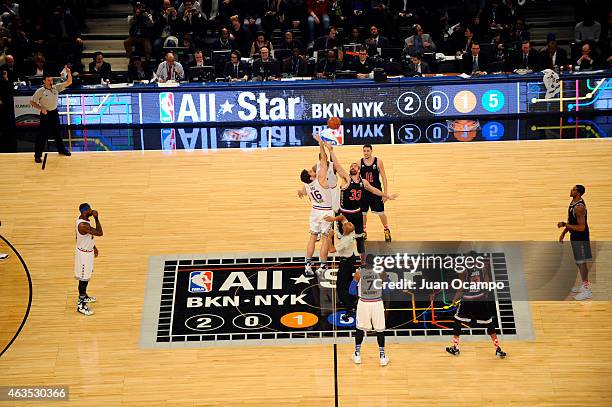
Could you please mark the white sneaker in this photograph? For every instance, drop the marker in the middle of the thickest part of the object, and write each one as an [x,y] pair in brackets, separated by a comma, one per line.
[356,358]
[87,300]
[583,295]
[3,256]
[384,361]
[577,289]
[321,270]
[308,270]
[85,310]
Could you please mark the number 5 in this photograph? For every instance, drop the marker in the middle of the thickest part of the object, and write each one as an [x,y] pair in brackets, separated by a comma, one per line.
[493,100]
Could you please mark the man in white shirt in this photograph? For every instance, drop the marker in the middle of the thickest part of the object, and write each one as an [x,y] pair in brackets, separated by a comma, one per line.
[170,70]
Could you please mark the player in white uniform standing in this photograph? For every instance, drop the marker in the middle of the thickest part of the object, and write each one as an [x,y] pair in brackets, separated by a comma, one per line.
[85,252]
[370,308]
[317,189]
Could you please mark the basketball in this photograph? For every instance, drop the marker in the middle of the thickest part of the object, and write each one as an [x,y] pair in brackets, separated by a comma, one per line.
[334,122]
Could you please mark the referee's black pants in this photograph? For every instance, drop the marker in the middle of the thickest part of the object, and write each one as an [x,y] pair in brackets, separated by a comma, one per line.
[49,127]
[345,276]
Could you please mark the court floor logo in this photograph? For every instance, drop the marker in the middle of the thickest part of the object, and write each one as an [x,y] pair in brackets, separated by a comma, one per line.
[270,300]
[200,281]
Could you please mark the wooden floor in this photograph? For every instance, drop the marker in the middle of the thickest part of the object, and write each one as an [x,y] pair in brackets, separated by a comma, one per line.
[158,203]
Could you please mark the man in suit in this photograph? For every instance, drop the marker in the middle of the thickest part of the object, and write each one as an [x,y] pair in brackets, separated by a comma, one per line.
[419,42]
[329,41]
[224,42]
[526,58]
[265,67]
[100,67]
[473,63]
[553,56]
[587,60]
[376,41]
[295,65]
[235,69]
[416,66]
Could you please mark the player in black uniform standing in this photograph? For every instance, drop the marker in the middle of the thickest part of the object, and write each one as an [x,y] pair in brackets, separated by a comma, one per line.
[372,170]
[351,197]
[474,309]
[578,228]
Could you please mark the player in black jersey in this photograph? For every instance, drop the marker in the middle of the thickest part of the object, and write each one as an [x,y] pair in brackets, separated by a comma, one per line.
[351,195]
[372,169]
[578,228]
[474,309]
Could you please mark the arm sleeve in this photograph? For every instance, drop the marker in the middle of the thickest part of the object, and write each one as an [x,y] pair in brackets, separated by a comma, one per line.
[353,288]
[60,87]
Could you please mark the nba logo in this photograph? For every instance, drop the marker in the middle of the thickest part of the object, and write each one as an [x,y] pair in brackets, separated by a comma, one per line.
[166,107]
[200,281]
[333,136]
[168,139]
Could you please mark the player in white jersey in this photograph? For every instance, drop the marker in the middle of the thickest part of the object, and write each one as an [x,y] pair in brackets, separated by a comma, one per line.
[368,285]
[85,252]
[317,189]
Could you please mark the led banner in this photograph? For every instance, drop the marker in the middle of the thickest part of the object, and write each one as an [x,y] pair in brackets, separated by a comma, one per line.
[272,103]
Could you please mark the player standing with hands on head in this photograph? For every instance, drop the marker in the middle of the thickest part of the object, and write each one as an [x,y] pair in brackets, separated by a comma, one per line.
[317,189]
[372,170]
[85,252]
[45,101]
[578,228]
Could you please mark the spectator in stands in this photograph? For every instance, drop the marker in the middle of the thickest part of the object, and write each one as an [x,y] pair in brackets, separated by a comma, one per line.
[417,66]
[224,42]
[227,9]
[317,18]
[289,42]
[608,54]
[376,41]
[553,56]
[7,113]
[167,24]
[500,52]
[295,65]
[252,10]
[235,69]
[363,64]
[10,69]
[295,13]
[336,12]
[273,15]
[519,33]
[265,67]
[39,67]
[192,20]
[327,67]
[329,41]
[355,36]
[260,42]
[138,70]
[586,61]
[169,69]
[496,15]
[63,31]
[588,29]
[140,23]
[211,12]
[400,14]
[198,59]
[100,67]
[473,63]
[420,42]
[526,58]
[240,35]
[466,45]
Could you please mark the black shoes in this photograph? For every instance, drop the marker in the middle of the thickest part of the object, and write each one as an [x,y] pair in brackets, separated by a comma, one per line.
[65,152]
[37,160]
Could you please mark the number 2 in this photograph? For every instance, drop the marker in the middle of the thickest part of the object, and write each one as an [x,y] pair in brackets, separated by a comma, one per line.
[409,102]
[204,322]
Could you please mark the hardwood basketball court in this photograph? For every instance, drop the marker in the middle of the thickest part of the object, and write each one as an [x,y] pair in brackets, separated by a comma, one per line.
[155,203]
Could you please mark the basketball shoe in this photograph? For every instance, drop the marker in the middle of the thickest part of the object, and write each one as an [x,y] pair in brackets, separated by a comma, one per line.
[500,353]
[84,309]
[384,360]
[356,358]
[387,235]
[453,351]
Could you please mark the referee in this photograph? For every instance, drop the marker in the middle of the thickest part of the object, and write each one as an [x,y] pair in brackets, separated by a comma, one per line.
[45,100]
